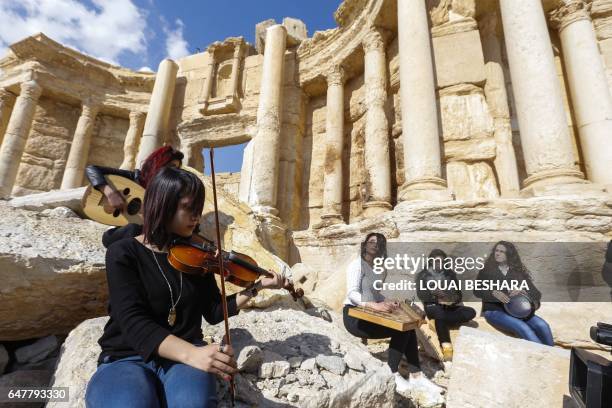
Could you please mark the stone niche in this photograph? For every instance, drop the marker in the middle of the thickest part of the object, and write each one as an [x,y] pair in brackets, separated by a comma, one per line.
[223,86]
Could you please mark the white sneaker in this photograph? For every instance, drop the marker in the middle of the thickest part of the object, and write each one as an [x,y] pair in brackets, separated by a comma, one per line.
[420,390]
[402,385]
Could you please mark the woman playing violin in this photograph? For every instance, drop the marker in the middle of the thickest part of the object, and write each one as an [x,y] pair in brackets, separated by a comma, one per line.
[153,353]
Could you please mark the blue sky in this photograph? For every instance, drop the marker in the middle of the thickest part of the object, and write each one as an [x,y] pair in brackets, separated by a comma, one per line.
[139,33]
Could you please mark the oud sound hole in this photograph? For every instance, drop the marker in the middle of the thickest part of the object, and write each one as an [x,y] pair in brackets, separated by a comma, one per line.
[126,191]
[134,206]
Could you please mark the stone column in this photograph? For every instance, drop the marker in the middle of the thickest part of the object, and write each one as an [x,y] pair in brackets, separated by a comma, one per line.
[132,140]
[16,135]
[7,100]
[420,132]
[210,77]
[156,123]
[588,85]
[497,99]
[334,141]
[234,85]
[547,147]
[79,149]
[264,175]
[376,149]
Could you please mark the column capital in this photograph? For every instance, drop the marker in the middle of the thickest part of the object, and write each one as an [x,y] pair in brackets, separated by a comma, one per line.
[136,116]
[374,40]
[30,89]
[336,76]
[568,12]
[90,108]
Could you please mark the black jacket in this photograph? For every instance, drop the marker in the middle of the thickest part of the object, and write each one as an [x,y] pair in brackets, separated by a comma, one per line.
[489,302]
[95,175]
[427,297]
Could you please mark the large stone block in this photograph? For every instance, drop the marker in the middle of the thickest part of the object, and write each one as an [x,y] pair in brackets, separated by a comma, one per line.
[471,181]
[494,371]
[470,150]
[458,59]
[465,113]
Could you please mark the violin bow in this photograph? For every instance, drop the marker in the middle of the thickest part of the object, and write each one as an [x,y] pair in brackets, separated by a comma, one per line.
[221,269]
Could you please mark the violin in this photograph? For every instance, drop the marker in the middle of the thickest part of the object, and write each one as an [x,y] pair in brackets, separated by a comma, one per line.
[197,255]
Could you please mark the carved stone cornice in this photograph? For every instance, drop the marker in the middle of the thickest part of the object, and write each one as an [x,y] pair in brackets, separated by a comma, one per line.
[569,12]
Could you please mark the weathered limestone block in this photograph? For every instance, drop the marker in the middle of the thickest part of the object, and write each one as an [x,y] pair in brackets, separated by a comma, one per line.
[465,114]
[470,150]
[51,199]
[286,333]
[494,362]
[471,181]
[53,273]
[458,59]
[296,30]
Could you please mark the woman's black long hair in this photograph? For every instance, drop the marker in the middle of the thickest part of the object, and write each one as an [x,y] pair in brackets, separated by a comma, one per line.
[381,245]
[161,202]
[512,255]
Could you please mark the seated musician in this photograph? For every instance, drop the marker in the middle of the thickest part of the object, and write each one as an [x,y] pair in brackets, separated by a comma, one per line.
[360,292]
[153,353]
[160,158]
[443,306]
[502,264]
[165,156]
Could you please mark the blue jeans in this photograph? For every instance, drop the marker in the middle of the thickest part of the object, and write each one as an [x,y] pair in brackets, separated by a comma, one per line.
[130,382]
[535,329]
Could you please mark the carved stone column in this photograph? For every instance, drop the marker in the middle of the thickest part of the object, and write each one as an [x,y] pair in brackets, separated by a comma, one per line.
[234,85]
[420,132]
[264,175]
[156,123]
[334,140]
[547,147]
[16,135]
[588,85]
[210,76]
[497,99]
[7,100]
[132,140]
[376,149]
[79,150]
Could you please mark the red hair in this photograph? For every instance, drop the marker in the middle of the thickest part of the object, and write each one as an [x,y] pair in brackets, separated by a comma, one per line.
[156,161]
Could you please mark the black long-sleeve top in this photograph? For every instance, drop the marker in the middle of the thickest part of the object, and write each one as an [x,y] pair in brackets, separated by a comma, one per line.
[139,302]
[95,175]
[489,302]
[428,297]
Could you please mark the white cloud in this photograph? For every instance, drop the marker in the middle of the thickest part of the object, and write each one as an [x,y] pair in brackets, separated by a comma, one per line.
[176,46]
[145,69]
[105,31]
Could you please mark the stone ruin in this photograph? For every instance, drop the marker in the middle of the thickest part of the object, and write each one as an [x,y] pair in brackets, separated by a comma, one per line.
[427,120]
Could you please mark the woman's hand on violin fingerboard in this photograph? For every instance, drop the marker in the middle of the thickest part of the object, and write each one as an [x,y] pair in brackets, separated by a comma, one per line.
[276,282]
[214,359]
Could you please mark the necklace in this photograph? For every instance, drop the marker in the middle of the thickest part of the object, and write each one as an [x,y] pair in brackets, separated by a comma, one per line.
[172,311]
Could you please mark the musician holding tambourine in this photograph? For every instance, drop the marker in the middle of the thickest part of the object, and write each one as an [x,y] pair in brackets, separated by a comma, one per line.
[443,306]
[512,311]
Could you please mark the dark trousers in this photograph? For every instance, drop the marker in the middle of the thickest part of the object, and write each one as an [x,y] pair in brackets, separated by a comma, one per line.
[446,316]
[402,343]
